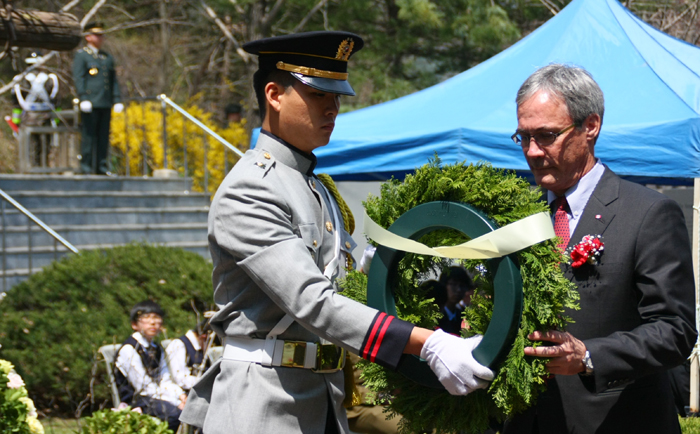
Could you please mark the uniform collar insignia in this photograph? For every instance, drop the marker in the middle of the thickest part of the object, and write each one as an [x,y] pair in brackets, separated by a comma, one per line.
[345,49]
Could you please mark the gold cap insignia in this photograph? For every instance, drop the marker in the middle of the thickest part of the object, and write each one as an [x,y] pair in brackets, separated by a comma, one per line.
[345,49]
[93,71]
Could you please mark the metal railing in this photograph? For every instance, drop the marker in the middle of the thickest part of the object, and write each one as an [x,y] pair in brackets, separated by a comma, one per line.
[206,134]
[31,218]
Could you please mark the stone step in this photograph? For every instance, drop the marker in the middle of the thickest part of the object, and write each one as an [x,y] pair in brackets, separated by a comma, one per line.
[11,277]
[17,236]
[12,183]
[97,199]
[94,216]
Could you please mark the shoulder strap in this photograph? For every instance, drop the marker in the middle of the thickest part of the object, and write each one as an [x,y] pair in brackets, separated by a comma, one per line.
[194,357]
[124,388]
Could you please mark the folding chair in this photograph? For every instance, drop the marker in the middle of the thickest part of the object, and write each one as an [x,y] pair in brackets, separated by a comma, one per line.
[109,352]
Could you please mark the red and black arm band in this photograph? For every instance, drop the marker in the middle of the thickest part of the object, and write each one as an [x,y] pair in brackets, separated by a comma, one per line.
[385,340]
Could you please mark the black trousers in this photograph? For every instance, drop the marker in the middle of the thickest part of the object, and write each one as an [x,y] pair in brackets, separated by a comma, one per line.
[95,141]
[163,410]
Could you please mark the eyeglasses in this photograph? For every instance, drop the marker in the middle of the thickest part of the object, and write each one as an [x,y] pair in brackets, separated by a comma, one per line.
[151,318]
[542,139]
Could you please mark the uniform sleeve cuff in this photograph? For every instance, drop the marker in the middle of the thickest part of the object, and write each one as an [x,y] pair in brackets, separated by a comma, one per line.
[385,340]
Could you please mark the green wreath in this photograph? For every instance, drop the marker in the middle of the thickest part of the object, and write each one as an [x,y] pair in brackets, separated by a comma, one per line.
[505,198]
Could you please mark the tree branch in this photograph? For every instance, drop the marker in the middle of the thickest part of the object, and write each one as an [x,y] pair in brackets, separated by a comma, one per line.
[91,13]
[19,77]
[267,20]
[677,18]
[692,20]
[308,16]
[238,7]
[245,56]
[152,22]
[551,6]
[69,6]
[122,11]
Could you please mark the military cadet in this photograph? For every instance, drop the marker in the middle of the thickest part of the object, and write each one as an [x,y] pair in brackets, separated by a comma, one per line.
[98,90]
[279,237]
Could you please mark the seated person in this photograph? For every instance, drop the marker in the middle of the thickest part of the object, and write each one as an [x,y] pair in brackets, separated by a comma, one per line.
[459,289]
[141,372]
[186,356]
[233,113]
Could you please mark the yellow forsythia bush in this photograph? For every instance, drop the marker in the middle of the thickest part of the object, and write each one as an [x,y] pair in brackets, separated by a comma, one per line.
[140,144]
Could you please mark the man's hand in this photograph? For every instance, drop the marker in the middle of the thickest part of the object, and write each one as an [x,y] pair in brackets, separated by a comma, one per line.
[566,357]
[85,106]
[118,107]
[451,359]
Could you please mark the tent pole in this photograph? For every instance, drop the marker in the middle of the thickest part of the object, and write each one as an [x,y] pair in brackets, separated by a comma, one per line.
[694,380]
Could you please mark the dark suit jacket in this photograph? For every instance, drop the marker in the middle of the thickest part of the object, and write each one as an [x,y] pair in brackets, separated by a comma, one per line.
[637,318]
[95,78]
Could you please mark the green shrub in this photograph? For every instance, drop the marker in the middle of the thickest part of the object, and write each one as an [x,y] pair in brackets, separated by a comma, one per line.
[52,325]
[122,422]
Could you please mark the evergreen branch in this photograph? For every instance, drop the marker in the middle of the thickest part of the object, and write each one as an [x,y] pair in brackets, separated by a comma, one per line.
[505,198]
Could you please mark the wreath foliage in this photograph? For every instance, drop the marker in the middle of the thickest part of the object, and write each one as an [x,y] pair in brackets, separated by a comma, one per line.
[505,198]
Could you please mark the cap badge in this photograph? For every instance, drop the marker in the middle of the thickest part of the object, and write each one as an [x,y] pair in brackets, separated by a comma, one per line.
[345,49]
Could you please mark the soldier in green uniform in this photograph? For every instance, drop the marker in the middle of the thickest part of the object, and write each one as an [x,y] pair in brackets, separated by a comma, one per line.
[98,90]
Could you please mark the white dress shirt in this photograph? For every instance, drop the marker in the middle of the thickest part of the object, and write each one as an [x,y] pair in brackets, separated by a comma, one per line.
[130,364]
[578,195]
[177,357]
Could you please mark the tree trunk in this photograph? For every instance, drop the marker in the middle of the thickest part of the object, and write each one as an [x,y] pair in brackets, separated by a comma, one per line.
[45,30]
[165,46]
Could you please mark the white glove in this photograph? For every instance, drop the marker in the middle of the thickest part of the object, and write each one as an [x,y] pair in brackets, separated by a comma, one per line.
[366,259]
[118,107]
[450,358]
[85,106]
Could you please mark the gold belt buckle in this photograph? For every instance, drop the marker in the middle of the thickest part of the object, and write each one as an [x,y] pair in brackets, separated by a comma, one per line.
[329,358]
[293,354]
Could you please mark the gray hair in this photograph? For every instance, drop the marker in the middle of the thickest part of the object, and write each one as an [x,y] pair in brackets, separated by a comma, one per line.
[574,85]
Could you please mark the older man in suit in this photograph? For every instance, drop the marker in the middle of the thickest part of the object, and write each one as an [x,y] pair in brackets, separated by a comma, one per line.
[637,316]
[279,238]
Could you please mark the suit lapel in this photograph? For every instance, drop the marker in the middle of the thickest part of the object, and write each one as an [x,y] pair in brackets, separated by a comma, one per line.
[600,209]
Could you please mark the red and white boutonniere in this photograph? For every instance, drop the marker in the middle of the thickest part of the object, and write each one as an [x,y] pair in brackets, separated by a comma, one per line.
[588,251]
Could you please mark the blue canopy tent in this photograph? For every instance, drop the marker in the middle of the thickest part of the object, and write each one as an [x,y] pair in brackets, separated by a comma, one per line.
[651,82]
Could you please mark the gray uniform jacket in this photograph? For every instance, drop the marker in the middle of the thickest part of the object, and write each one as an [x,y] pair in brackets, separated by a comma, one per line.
[271,233]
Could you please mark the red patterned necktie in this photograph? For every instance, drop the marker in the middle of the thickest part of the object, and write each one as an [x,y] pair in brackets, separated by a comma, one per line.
[561,221]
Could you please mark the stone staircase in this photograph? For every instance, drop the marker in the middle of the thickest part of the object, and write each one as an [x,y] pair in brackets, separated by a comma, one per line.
[94,212]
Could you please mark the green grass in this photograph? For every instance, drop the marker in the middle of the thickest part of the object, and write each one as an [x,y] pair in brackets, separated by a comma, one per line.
[54,425]
[690,425]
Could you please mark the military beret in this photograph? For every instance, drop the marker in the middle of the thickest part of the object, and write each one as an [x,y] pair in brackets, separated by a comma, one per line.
[317,59]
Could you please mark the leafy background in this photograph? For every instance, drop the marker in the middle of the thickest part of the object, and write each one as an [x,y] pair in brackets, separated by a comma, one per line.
[52,324]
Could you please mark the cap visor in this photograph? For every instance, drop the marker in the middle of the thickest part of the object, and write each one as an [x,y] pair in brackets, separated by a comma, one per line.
[341,87]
